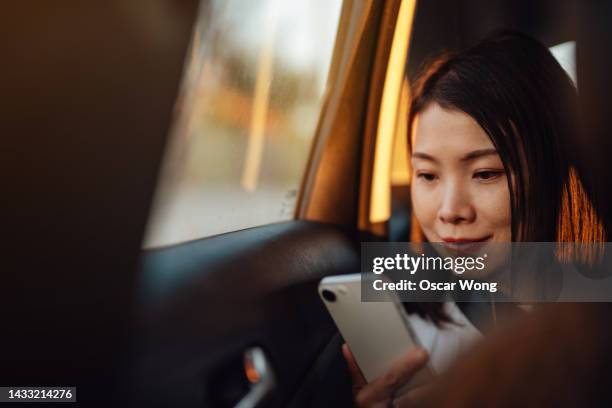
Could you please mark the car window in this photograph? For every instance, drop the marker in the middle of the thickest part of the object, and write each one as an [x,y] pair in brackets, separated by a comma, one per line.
[253,88]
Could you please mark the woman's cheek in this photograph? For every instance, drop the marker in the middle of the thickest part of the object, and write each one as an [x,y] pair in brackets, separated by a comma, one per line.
[423,206]
[494,205]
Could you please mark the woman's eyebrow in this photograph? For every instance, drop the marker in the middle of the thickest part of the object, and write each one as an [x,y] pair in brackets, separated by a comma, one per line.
[469,156]
[478,153]
[424,156]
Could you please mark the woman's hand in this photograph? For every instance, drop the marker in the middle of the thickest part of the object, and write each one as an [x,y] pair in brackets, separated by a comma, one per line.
[379,393]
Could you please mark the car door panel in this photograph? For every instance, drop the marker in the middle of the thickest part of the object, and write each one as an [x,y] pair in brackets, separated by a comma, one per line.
[205,302]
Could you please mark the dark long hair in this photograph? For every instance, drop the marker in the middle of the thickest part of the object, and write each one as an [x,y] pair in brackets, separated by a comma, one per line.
[513,87]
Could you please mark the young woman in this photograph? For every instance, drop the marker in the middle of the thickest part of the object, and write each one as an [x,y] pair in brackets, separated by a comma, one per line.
[488,165]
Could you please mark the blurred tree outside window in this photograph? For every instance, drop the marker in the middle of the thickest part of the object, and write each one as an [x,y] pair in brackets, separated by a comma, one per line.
[245,119]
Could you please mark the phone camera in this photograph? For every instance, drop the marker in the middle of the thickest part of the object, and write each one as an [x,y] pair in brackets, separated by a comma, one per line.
[328,295]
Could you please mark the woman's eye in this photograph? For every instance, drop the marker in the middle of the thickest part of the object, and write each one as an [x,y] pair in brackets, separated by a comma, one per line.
[426,176]
[487,175]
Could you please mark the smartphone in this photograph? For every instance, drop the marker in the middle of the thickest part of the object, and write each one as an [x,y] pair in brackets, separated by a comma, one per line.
[378,333]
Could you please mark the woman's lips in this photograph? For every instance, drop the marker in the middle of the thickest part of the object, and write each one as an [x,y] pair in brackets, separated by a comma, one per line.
[464,245]
[465,240]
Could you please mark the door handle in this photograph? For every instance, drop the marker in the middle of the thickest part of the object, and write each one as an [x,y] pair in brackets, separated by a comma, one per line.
[261,376]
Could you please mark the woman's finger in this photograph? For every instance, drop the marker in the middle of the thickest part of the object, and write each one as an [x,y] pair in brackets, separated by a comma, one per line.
[358,378]
[401,372]
[416,396]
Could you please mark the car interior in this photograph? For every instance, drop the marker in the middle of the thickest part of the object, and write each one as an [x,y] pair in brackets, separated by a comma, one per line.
[103,290]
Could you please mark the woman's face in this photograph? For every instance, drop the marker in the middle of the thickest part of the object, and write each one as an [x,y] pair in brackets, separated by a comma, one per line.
[459,189]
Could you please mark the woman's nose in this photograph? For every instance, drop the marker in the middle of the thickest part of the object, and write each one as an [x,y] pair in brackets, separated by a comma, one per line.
[456,206]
